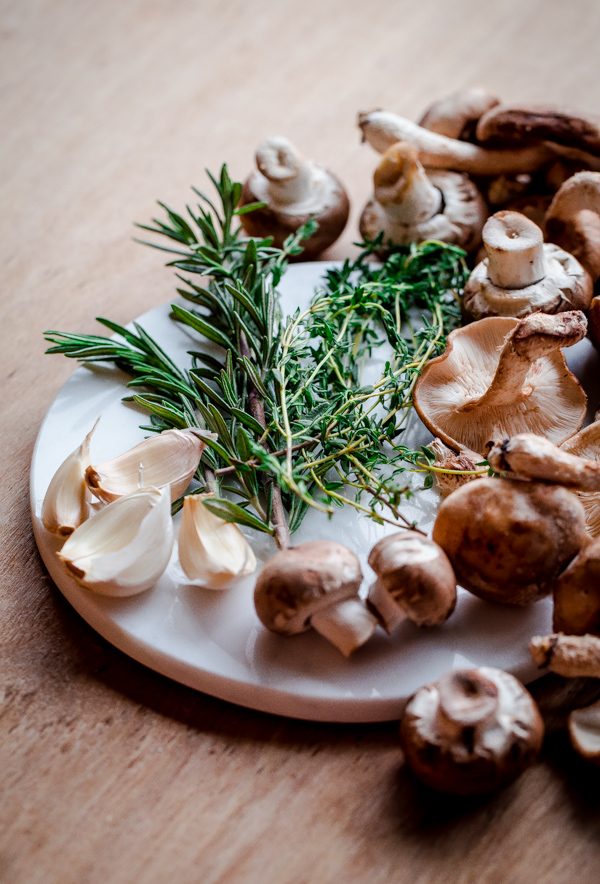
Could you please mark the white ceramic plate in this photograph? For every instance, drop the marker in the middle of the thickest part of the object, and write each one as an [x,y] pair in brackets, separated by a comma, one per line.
[213,641]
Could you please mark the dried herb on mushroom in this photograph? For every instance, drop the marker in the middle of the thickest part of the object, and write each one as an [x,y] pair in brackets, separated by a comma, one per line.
[296,424]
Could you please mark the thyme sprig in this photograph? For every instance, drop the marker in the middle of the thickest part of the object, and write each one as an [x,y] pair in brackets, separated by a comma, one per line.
[297,425]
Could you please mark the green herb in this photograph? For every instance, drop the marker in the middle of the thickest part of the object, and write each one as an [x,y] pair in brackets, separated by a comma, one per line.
[297,427]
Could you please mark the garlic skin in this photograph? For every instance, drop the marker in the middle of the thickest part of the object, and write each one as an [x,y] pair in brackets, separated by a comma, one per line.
[212,552]
[66,505]
[169,458]
[125,547]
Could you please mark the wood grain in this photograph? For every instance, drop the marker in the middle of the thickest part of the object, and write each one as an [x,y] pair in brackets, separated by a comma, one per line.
[109,772]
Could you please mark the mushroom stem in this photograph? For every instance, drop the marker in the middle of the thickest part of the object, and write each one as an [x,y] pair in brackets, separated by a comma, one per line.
[515,249]
[534,457]
[389,612]
[535,336]
[402,186]
[572,656]
[288,174]
[347,625]
[382,129]
[466,699]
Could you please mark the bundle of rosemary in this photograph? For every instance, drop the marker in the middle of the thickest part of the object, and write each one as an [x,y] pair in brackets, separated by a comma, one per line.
[296,426]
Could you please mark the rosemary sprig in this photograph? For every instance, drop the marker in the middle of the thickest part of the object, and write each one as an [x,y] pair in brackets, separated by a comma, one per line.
[296,425]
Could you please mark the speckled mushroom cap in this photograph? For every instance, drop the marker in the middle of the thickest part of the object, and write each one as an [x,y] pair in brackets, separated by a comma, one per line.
[454,395]
[299,581]
[471,732]
[294,190]
[508,540]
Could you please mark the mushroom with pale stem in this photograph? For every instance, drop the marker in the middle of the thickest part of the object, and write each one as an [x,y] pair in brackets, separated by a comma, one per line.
[522,274]
[382,129]
[456,115]
[294,190]
[573,220]
[527,456]
[586,445]
[315,584]
[471,732]
[572,656]
[410,205]
[415,580]
[501,376]
[509,540]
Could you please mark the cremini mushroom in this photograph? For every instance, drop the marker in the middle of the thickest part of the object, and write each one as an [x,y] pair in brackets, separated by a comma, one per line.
[415,580]
[509,540]
[522,124]
[382,129]
[411,205]
[501,376]
[294,190]
[522,274]
[315,584]
[572,656]
[456,115]
[577,594]
[573,220]
[471,732]
[584,731]
[585,445]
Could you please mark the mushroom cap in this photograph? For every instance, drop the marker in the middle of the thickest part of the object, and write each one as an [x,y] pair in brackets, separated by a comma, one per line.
[573,219]
[302,580]
[505,124]
[566,286]
[472,732]
[577,594]
[508,540]
[313,192]
[459,222]
[586,444]
[553,404]
[584,731]
[456,115]
[416,575]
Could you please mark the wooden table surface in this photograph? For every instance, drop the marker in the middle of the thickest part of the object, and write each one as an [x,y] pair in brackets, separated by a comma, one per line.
[109,772]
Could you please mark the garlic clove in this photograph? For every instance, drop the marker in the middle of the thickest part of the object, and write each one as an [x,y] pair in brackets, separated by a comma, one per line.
[125,547]
[212,552]
[169,458]
[67,501]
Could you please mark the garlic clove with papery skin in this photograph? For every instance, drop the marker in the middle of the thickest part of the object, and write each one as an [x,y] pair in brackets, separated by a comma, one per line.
[67,501]
[125,547]
[169,458]
[212,552]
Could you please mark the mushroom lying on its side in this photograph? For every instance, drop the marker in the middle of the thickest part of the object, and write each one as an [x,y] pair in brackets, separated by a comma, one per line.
[501,376]
[415,580]
[294,190]
[456,115]
[472,732]
[509,540]
[410,205]
[522,274]
[315,584]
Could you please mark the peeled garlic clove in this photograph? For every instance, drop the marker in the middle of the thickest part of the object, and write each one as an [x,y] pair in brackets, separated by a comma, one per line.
[67,501]
[125,547]
[212,552]
[170,458]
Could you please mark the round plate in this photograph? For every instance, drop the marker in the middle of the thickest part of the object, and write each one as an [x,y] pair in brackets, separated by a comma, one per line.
[213,641]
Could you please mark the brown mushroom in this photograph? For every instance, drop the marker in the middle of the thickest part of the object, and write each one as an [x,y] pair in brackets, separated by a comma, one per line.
[415,580]
[410,205]
[315,584]
[472,732]
[456,115]
[522,274]
[577,594]
[527,456]
[585,445]
[573,220]
[519,125]
[508,540]
[584,731]
[294,190]
[382,129]
[499,377]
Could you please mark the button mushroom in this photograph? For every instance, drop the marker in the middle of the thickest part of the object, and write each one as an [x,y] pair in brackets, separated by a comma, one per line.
[509,540]
[410,205]
[294,190]
[522,274]
[501,376]
[315,584]
[472,732]
[456,115]
[415,580]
